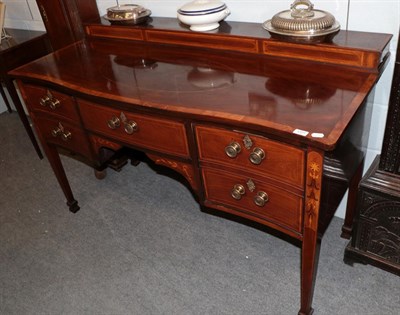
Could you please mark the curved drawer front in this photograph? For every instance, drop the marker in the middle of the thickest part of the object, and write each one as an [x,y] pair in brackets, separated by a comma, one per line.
[63,134]
[283,162]
[144,131]
[49,101]
[254,197]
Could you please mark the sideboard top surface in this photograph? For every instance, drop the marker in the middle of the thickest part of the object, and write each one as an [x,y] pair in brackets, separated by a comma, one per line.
[280,96]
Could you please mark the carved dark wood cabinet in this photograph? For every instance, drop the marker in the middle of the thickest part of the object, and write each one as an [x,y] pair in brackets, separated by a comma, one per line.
[376,234]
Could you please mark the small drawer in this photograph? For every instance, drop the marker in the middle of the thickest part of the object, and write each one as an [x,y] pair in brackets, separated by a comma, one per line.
[49,101]
[161,135]
[63,134]
[281,161]
[254,197]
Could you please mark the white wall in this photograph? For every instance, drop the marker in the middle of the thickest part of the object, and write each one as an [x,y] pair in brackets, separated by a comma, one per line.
[382,16]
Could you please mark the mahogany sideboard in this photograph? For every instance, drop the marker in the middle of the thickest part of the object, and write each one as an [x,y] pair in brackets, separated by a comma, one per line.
[266,130]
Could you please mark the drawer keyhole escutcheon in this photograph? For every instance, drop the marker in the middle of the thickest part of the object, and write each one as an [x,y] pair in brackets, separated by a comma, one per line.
[261,198]
[257,156]
[60,131]
[233,149]
[238,191]
[114,122]
[50,101]
[248,143]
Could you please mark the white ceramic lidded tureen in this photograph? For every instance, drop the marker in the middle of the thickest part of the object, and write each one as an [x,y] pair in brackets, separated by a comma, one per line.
[203,15]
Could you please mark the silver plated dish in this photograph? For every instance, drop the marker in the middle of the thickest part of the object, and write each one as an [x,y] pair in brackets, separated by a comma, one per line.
[302,23]
[127,14]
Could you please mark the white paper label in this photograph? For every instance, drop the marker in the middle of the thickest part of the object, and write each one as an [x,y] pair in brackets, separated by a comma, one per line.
[317,135]
[300,132]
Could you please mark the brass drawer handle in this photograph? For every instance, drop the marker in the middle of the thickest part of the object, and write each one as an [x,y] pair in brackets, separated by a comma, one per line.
[233,149]
[114,122]
[50,101]
[257,156]
[44,100]
[60,131]
[130,127]
[238,191]
[54,103]
[56,132]
[261,198]
[66,136]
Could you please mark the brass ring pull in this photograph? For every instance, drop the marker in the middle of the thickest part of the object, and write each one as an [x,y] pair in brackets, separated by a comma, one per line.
[261,198]
[238,191]
[257,156]
[130,127]
[233,149]
[114,122]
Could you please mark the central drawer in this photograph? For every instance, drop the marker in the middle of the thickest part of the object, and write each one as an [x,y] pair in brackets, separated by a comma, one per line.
[143,131]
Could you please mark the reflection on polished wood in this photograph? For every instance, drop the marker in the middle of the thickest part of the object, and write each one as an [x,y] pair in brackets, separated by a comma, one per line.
[275,138]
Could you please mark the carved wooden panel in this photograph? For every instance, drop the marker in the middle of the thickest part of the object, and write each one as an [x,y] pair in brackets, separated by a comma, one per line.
[379,226]
[390,157]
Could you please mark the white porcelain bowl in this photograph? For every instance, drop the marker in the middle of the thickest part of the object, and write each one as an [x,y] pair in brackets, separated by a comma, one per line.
[203,15]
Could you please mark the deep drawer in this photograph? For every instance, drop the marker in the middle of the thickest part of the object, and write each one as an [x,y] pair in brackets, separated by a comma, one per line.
[274,204]
[144,131]
[49,101]
[281,161]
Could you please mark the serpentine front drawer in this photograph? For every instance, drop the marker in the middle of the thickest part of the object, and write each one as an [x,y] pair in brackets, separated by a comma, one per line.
[49,101]
[253,153]
[254,198]
[158,134]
